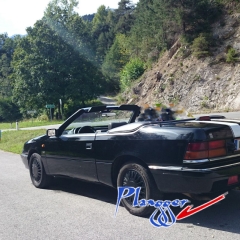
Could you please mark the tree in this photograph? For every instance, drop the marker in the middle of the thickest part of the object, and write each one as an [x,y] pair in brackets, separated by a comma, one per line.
[7,46]
[159,23]
[154,29]
[54,61]
[115,60]
[9,111]
[124,16]
[101,32]
[196,16]
[88,17]
[200,46]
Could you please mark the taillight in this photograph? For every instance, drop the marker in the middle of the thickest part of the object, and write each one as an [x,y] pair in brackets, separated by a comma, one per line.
[193,147]
[217,148]
[205,150]
[216,144]
[196,151]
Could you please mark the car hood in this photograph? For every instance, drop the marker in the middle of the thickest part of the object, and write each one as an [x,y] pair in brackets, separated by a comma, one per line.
[38,138]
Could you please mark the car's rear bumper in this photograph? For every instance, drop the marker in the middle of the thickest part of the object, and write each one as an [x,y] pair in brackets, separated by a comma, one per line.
[197,181]
[25,160]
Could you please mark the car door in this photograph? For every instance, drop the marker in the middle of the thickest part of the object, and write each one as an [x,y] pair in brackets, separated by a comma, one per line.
[78,149]
[55,157]
[72,155]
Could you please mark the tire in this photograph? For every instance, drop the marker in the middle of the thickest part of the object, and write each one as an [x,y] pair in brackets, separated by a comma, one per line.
[135,175]
[37,172]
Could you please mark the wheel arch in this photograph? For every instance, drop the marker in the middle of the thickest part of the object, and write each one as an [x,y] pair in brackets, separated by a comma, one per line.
[120,161]
[31,152]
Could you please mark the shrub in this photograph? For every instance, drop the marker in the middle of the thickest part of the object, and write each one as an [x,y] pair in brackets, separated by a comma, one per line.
[43,117]
[132,71]
[163,87]
[120,99]
[171,80]
[200,46]
[231,56]
[9,111]
[197,78]
[206,98]
[204,104]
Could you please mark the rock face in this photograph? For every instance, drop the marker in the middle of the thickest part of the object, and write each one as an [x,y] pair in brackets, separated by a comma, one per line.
[195,84]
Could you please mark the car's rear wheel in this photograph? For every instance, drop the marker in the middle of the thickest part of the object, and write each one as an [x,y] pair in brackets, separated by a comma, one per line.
[135,175]
[37,172]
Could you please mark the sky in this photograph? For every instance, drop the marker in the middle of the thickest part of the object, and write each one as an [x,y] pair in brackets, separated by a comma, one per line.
[17,15]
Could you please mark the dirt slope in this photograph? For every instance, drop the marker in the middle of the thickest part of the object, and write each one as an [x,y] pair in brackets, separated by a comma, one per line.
[195,84]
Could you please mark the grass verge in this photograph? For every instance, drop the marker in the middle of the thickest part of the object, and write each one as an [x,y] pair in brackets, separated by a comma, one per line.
[24,124]
[13,141]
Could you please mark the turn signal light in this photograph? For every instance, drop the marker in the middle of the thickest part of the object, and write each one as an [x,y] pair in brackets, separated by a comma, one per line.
[196,155]
[217,152]
[205,150]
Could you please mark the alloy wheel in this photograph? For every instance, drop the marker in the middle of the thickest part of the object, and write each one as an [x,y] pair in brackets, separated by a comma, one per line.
[133,179]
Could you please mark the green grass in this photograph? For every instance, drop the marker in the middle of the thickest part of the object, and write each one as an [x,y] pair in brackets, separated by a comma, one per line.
[24,124]
[13,141]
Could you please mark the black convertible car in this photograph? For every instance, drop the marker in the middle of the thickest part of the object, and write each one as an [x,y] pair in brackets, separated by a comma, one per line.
[108,144]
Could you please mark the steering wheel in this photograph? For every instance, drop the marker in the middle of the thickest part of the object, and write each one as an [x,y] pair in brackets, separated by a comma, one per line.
[75,130]
[86,129]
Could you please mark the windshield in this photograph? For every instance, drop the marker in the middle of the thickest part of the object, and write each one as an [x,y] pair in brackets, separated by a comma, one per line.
[99,120]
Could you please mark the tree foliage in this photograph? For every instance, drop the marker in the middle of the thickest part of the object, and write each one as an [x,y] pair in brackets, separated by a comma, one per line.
[124,16]
[7,46]
[116,58]
[132,71]
[200,46]
[54,61]
[102,31]
[9,111]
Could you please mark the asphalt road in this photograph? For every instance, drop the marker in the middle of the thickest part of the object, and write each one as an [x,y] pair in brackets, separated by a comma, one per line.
[79,210]
[107,100]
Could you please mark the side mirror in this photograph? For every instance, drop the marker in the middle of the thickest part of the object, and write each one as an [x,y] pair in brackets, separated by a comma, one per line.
[51,132]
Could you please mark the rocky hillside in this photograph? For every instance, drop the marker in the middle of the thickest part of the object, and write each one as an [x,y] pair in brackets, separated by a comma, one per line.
[203,84]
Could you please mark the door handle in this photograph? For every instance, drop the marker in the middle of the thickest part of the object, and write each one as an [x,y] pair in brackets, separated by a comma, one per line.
[88,146]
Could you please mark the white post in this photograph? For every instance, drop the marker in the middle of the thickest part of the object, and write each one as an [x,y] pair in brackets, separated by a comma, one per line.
[61,110]
[17,125]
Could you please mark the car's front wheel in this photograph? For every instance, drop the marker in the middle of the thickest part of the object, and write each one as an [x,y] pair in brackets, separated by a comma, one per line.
[135,175]
[37,172]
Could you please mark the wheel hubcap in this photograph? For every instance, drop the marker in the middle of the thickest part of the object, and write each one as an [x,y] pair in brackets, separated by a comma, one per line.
[36,170]
[133,179]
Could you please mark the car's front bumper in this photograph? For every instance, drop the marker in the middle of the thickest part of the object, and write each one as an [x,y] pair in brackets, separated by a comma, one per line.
[197,181]
[24,157]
